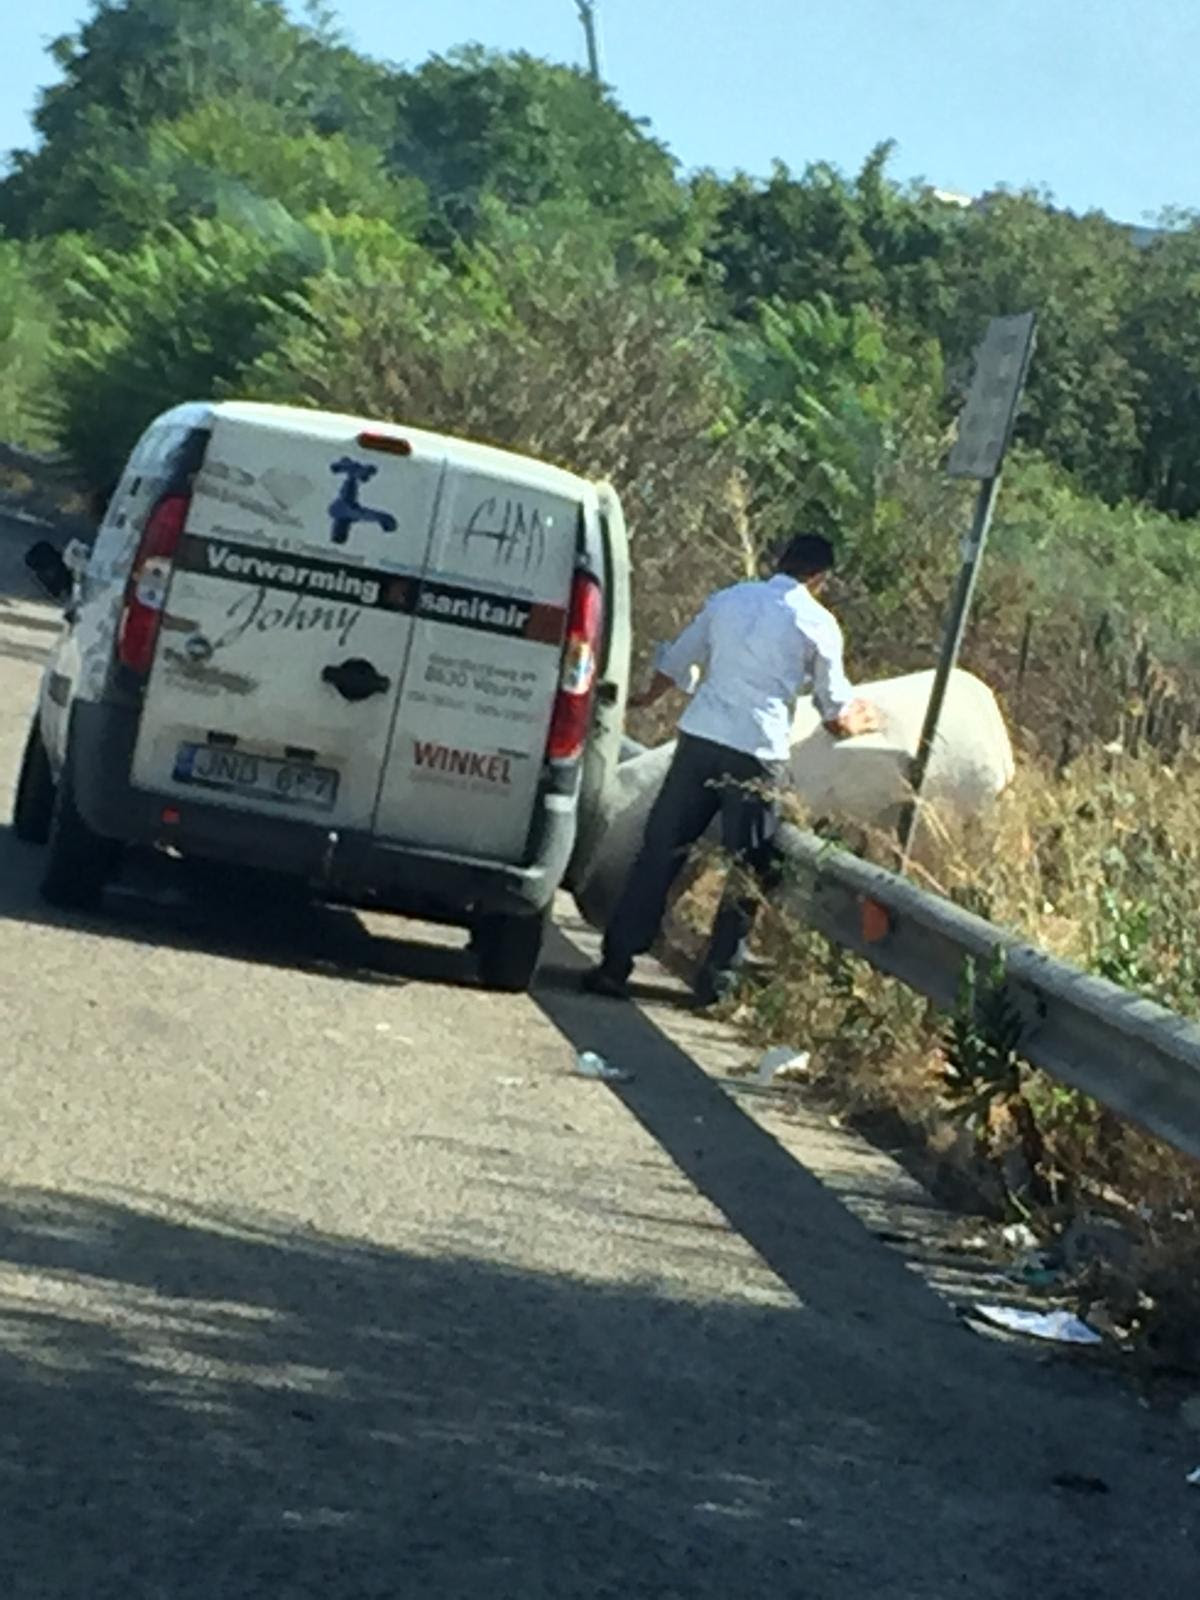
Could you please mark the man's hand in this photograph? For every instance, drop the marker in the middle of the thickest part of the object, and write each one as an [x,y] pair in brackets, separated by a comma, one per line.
[859,717]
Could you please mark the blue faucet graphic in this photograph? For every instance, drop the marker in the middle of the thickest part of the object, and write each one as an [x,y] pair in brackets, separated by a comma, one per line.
[346,510]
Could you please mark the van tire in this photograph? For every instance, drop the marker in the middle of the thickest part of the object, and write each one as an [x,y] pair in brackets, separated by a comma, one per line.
[78,862]
[33,804]
[508,949]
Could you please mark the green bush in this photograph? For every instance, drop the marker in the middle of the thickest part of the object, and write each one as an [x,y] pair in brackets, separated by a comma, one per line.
[26,334]
[165,322]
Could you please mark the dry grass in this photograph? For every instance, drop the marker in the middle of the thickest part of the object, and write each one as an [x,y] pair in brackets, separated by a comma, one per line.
[1073,861]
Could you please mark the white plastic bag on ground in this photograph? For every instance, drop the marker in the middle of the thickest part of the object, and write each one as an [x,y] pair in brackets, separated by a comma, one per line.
[782,1064]
[1060,1327]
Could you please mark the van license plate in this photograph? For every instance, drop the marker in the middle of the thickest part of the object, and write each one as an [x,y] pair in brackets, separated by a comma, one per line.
[289,783]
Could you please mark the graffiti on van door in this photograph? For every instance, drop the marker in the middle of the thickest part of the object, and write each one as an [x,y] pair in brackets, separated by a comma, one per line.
[516,532]
[348,509]
[231,485]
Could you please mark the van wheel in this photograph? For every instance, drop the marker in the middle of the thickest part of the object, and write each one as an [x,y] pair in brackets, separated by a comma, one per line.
[33,804]
[507,950]
[78,862]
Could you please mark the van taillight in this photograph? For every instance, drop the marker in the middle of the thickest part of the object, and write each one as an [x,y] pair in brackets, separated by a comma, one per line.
[577,685]
[149,577]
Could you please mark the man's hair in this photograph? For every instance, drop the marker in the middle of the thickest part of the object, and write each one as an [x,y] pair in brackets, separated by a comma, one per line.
[805,556]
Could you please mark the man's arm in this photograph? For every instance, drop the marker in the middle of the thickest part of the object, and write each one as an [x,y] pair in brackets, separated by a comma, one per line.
[843,714]
[676,662]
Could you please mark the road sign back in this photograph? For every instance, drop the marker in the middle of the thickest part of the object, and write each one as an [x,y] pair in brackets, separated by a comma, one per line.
[987,418]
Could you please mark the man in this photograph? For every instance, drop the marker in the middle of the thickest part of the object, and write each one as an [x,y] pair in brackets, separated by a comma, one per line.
[758,646]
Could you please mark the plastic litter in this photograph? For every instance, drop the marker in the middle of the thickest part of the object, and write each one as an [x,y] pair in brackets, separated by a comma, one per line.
[1062,1327]
[1020,1236]
[1194,1478]
[1040,1277]
[590,1065]
[781,1062]
[1035,1268]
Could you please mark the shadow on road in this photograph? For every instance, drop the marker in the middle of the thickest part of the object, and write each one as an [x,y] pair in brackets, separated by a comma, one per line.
[199,1405]
[28,621]
[880,1346]
[153,905]
[799,1227]
[31,650]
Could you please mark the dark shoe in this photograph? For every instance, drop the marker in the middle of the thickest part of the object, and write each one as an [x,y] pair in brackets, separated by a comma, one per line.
[704,1001]
[709,994]
[601,980]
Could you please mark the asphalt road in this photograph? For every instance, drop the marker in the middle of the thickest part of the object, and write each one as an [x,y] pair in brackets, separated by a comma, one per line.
[322,1275]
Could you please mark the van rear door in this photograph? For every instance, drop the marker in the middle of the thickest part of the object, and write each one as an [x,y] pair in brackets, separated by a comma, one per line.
[468,746]
[288,620]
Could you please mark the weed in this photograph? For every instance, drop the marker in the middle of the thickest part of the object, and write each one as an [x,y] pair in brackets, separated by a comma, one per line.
[986,1078]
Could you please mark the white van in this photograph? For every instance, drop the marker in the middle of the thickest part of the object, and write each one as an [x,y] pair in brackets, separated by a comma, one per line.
[389,663]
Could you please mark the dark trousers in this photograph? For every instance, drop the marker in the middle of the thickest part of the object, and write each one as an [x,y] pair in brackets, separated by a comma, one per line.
[704,780]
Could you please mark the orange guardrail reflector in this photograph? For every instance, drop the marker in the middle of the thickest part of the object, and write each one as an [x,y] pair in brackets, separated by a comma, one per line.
[876,924]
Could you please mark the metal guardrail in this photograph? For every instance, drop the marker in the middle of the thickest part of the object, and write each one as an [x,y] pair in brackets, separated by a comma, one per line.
[47,460]
[33,463]
[40,506]
[1133,1056]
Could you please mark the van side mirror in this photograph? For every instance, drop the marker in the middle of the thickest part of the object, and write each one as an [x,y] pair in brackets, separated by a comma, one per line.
[49,569]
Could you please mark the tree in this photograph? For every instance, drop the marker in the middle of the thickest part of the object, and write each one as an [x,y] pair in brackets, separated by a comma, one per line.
[941,270]
[1162,338]
[26,330]
[864,241]
[1083,399]
[167,321]
[834,407]
[142,62]
[236,159]
[475,125]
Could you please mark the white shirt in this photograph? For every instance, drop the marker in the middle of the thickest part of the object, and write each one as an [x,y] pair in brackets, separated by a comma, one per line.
[758,646]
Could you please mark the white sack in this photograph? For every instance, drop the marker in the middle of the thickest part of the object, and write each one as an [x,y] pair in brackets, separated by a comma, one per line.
[861,780]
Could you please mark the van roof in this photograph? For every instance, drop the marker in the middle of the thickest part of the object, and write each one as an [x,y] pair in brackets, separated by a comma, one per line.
[335,426]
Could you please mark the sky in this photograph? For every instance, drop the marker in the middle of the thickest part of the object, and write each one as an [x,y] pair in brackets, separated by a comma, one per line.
[1094,100]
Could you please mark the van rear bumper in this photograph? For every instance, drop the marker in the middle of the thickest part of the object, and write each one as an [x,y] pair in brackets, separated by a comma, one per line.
[352,868]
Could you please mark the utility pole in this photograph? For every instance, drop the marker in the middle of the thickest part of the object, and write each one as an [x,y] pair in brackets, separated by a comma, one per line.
[587,15]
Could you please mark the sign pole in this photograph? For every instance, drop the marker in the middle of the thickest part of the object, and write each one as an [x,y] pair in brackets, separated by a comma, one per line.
[985,428]
[956,625]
